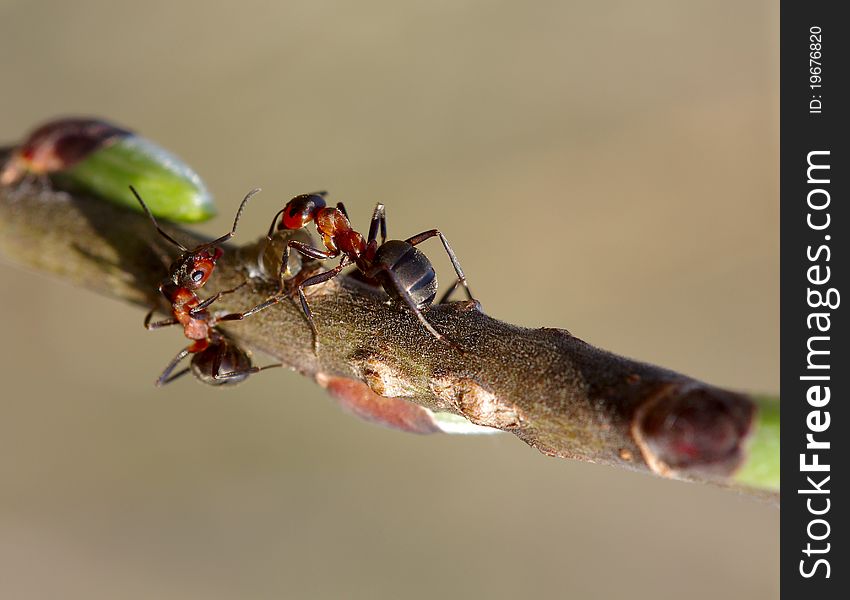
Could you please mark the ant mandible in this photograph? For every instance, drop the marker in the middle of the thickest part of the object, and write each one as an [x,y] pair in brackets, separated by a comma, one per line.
[403,270]
[216,359]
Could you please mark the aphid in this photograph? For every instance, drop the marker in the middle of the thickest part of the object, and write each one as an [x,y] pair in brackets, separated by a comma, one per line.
[216,359]
[398,266]
[103,158]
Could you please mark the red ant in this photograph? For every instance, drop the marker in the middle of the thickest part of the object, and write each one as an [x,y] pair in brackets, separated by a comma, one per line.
[216,359]
[403,270]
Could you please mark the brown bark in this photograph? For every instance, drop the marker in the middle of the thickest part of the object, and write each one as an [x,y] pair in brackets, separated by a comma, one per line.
[554,391]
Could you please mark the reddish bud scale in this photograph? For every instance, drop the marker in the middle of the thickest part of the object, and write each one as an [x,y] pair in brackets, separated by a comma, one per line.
[395,413]
[695,428]
[59,145]
[104,159]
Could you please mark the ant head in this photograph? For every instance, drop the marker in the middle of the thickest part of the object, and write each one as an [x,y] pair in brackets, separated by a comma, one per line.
[301,210]
[193,268]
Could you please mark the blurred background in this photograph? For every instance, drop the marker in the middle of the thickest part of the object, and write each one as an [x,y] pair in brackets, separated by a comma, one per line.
[605,167]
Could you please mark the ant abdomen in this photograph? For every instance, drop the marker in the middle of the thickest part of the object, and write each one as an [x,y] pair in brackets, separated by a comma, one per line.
[222,363]
[413,272]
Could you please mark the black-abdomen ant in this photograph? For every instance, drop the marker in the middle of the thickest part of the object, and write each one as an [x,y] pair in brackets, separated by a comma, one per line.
[402,270]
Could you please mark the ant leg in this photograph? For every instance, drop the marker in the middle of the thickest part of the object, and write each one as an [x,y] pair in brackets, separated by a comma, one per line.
[315,280]
[157,324]
[230,374]
[306,250]
[216,365]
[203,305]
[445,297]
[219,375]
[405,295]
[302,248]
[379,218]
[341,208]
[258,369]
[231,317]
[166,376]
[419,238]
[177,375]
[261,306]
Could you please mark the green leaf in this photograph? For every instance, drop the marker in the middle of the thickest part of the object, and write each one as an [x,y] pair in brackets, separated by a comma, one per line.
[761,467]
[168,185]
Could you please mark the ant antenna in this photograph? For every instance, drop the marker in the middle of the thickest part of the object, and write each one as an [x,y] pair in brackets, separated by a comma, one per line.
[274,220]
[232,231]
[155,224]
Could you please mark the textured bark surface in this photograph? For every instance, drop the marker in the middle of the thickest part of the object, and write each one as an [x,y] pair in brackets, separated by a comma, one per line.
[554,391]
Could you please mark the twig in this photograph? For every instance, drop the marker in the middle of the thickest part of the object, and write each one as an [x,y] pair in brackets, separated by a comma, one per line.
[554,391]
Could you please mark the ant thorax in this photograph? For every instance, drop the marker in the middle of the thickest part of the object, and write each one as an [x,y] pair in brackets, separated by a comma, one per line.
[195,326]
[183,299]
[337,234]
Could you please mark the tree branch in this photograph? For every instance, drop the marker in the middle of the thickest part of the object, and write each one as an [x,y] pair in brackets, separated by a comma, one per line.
[554,391]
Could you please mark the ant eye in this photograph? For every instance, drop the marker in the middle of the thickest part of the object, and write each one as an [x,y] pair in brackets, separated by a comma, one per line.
[197,276]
